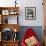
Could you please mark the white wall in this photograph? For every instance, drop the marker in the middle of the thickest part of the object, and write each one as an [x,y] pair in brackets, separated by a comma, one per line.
[39,12]
[27,3]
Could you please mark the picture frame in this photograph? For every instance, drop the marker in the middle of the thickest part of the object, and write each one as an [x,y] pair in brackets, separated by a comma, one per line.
[5,12]
[30,13]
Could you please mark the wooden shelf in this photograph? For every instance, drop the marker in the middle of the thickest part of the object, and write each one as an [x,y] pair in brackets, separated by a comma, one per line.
[9,43]
[9,9]
[11,26]
[4,13]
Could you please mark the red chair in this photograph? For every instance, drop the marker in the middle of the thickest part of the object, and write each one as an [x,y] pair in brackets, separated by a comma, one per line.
[29,33]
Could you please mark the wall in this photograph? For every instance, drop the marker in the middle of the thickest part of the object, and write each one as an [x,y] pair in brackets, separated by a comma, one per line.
[39,12]
[27,3]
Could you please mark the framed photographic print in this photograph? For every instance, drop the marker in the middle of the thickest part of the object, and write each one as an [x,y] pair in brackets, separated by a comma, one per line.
[30,13]
[5,12]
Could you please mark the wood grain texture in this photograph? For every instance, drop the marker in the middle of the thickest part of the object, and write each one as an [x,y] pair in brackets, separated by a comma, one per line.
[9,43]
[11,26]
[44,6]
[44,21]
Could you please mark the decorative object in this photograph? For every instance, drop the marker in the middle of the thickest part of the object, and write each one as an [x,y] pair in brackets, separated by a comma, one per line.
[15,30]
[15,37]
[6,21]
[15,3]
[30,13]
[5,12]
[7,34]
[13,12]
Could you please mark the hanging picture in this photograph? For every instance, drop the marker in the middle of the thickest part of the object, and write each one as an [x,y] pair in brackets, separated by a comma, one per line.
[30,13]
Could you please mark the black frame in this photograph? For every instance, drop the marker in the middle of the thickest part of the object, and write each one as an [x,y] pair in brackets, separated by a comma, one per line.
[33,11]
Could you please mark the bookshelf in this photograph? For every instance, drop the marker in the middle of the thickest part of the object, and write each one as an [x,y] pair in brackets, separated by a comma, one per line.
[6,24]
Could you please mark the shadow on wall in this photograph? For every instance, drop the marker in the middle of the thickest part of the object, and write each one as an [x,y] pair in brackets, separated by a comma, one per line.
[37,29]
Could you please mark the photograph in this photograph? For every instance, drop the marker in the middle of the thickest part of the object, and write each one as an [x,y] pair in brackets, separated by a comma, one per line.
[30,13]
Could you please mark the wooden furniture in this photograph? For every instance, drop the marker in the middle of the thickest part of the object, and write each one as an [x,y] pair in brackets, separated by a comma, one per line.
[0,43]
[10,43]
[8,11]
[5,13]
[44,37]
[44,6]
